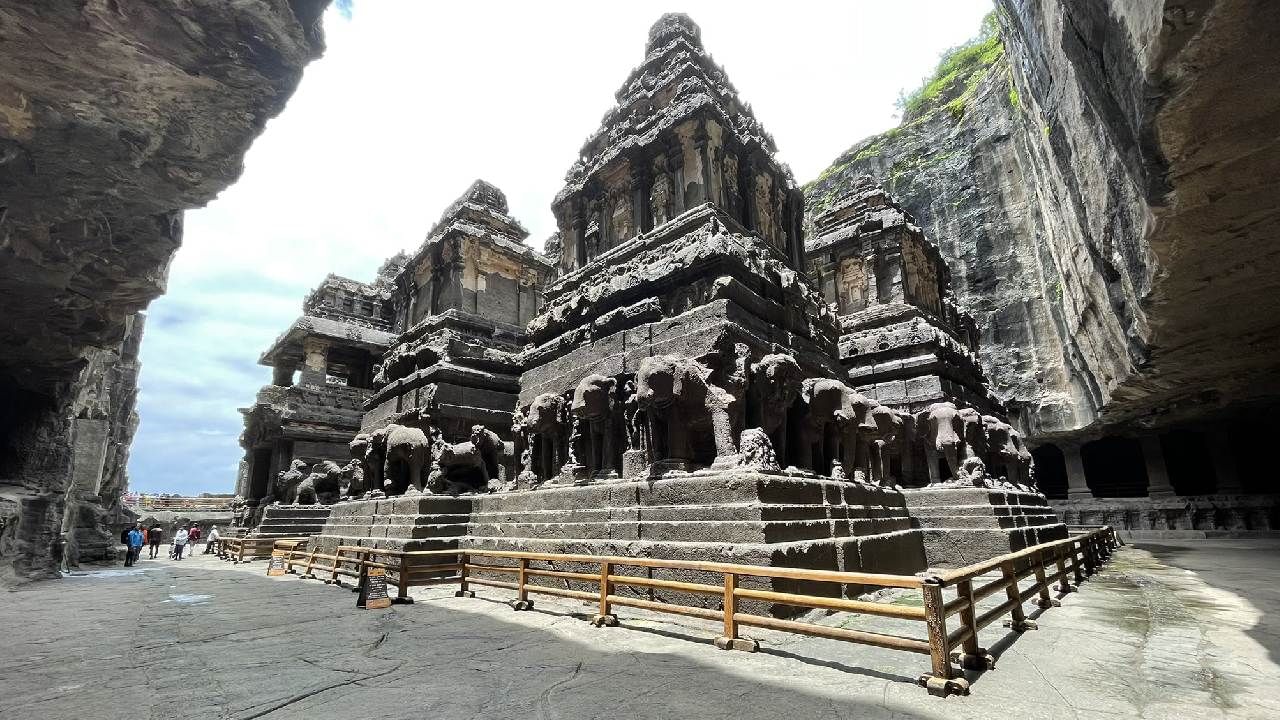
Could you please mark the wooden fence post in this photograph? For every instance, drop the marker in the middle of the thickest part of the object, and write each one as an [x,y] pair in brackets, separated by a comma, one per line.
[522,601]
[402,591]
[1042,582]
[1064,586]
[942,681]
[605,618]
[730,639]
[463,589]
[973,657]
[337,562]
[1018,620]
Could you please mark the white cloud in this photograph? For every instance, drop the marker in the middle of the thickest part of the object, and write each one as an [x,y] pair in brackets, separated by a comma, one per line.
[414,100]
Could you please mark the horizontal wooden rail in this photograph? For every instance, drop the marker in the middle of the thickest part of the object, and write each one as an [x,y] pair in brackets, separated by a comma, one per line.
[1023,575]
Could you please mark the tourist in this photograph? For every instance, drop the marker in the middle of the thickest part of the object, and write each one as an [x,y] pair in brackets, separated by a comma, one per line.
[180,543]
[153,538]
[134,538]
[213,539]
[193,536]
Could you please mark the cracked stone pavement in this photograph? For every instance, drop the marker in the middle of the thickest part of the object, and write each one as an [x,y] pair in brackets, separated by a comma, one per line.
[1167,630]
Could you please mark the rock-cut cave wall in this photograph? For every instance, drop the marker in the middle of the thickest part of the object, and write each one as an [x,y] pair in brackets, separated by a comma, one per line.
[114,118]
[1101,178]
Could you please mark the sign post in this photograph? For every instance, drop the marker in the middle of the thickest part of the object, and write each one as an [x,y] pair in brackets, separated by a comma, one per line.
[373,588]
[276,566]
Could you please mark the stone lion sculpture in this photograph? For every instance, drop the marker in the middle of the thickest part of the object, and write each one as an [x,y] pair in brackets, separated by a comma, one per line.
[757,451]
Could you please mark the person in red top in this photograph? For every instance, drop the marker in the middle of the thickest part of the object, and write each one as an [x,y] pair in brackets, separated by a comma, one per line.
[193,536]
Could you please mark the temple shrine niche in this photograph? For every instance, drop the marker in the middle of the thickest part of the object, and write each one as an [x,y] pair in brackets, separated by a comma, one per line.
[323,369]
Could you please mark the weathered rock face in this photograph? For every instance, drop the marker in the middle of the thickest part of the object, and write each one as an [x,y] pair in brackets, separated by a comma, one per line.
[114,117]
[1101,179]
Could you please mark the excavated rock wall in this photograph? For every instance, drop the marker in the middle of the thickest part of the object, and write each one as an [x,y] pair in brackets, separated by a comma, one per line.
[114,118]
[1100,222]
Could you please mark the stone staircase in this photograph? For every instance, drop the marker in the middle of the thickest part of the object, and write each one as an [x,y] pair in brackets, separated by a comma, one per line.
[961,526]
[292,520]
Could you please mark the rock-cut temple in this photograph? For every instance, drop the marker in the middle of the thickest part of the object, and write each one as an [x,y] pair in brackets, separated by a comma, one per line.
[681,373]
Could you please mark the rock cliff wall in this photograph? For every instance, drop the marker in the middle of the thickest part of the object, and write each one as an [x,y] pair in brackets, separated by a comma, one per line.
[114,118]
[1108,229]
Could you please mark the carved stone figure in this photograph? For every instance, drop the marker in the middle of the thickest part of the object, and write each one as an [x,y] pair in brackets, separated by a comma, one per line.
[547,430]
[764,210]
[407,452]
[237,511]
[370,450]
[829,432]
[660,199]
[322,485]
[972,472]
[757,451]
[882,442]
[732,200]
[974,432]
[941,429]
[287,481]
[774,385]
[1002,453]
[675,396]
[595,408]
[475,462]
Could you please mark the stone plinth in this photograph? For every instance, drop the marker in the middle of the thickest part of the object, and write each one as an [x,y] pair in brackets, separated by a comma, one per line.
[737,517]
[960,526]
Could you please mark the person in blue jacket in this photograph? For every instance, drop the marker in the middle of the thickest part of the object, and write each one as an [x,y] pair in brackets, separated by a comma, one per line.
[135,545]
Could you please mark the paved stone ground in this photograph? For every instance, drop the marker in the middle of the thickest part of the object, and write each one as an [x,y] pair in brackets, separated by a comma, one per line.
[1168,630]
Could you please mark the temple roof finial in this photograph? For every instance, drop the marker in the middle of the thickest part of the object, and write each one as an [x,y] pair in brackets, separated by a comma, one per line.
[670,26]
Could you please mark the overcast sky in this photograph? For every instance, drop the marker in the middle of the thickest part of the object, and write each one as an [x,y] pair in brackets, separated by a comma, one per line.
[411,102]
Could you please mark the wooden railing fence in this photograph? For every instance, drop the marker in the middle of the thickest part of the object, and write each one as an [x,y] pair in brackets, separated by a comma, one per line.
[1032,573]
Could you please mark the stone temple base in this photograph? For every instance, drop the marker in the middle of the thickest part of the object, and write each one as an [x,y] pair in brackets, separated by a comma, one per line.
[961,526]
[736,517]
[292,520]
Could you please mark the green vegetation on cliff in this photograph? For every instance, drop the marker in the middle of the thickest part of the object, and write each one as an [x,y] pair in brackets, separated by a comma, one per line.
[960,71]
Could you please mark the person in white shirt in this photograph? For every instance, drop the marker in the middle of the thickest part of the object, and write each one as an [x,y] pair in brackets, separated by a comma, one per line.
[179,543]
[211,541]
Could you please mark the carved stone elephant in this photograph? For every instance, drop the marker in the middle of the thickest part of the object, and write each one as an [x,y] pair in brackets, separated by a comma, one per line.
[677,401]
[826,437]
[1002,453]
[773,387]
[882,442]
[468,465]
[546,431]
[407,451]
[370,450]
[941,429]
[595,410]
[974,432]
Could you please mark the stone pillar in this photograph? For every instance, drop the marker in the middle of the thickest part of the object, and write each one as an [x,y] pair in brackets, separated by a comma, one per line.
[282,373]
[640,181]
[675,165]
[1224,462]
[751,218]
[315,361]
[1157,474]
[700,139]
[1077,487]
